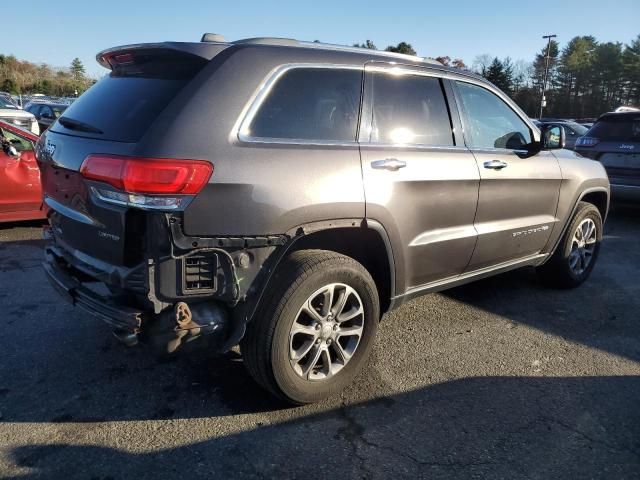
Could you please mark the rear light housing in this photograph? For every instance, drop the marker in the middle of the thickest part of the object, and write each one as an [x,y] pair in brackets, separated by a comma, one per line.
[587,141]
[152,183]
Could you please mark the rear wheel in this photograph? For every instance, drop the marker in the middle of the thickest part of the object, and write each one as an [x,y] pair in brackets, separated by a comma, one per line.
[316,329]
[576,255]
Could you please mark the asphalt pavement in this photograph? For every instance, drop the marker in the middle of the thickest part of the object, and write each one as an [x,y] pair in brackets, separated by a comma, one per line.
[502,378]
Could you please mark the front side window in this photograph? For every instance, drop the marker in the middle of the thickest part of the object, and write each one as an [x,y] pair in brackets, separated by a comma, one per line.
[409,109]
[310,104]
[490,122]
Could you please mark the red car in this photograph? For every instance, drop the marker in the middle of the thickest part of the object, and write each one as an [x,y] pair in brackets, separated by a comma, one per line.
[20,188]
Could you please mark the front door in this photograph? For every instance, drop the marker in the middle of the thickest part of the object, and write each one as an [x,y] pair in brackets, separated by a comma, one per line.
[421,182]
[518,189]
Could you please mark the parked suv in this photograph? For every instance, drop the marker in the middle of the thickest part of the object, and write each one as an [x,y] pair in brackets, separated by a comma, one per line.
[284,195]
[614,140]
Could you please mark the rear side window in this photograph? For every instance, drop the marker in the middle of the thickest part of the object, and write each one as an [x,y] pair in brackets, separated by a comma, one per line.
[124,104]
[310,104]
[490,122]
[409,109]
[617,127]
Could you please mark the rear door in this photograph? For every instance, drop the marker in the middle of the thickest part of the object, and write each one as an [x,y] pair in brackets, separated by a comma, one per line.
[421,182]
[519,190]
[19,177]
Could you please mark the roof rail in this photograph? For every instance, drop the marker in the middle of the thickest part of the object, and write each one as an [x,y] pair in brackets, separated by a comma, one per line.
[345,48]
[289,42]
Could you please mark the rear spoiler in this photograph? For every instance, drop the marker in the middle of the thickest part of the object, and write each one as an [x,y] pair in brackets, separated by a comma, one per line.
[118,55]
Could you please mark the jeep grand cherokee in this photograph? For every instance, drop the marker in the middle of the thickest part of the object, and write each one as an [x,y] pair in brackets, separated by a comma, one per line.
[283,195]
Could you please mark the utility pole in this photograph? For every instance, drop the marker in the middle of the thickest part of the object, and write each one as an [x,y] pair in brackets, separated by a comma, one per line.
[543,100]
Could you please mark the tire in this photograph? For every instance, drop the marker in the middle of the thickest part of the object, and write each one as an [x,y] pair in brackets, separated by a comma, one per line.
[269,346]
[558,270]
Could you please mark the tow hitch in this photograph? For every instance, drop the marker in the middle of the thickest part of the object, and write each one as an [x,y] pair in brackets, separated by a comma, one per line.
[199,327]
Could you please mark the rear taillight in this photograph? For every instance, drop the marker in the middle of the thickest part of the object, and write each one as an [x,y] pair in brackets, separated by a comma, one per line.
[160,183]
[587,142]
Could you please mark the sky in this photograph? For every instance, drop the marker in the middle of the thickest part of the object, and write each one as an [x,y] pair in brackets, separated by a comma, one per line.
[56,32]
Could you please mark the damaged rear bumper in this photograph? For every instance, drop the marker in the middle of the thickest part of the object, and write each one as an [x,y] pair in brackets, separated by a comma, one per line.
[73,290]
[181,328]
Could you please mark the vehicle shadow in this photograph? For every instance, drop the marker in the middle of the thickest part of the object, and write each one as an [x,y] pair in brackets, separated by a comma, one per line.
[53,351]
[485,427]
[602,313]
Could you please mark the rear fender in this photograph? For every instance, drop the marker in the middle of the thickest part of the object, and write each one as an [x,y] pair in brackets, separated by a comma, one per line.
[244,312]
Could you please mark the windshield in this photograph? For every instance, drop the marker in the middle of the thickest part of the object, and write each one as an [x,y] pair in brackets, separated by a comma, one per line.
[617,127]
[5,102]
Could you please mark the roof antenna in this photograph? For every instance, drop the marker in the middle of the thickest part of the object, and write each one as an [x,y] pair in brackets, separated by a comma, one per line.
[212,37]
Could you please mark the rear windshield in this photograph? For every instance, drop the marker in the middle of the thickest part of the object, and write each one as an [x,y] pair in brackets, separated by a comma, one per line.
[123,105]
[618,127]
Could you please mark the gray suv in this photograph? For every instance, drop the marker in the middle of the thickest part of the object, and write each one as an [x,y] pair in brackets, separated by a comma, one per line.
[283,195]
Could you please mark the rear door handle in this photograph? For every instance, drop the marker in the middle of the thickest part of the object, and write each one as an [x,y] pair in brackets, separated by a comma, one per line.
[392,164]
[495,164]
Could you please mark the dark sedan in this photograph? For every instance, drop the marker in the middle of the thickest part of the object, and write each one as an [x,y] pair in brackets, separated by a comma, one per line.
[46,113]
[572,130]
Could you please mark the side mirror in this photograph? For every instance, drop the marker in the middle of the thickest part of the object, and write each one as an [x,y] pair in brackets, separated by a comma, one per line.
[552,137]
[8,148]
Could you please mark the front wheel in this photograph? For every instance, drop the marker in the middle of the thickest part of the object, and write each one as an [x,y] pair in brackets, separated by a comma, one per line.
[576,254]
[317,327]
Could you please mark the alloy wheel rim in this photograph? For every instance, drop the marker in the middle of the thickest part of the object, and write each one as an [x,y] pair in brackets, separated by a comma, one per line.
[583,246]
[326,332]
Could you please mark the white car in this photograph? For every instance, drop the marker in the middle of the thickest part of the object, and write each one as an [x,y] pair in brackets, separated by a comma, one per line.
[12,114]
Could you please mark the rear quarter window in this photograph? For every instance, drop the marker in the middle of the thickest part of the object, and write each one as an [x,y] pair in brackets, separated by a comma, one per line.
[310,104]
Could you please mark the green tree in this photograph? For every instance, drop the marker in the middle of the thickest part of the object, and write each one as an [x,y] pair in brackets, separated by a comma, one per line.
[575,78]
[367,44]
[77,72]
[9,85]
[631,73]
[402,47]
[500,73]
[77,69]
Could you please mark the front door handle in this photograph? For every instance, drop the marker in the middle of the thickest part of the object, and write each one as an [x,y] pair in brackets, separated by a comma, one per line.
[392,164]
[495,164]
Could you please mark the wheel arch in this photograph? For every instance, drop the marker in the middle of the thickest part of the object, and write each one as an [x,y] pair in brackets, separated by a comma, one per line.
[598,196]
[345,236]
[365,241]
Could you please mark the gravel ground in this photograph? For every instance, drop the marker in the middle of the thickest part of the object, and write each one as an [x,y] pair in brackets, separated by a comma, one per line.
[498,379]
